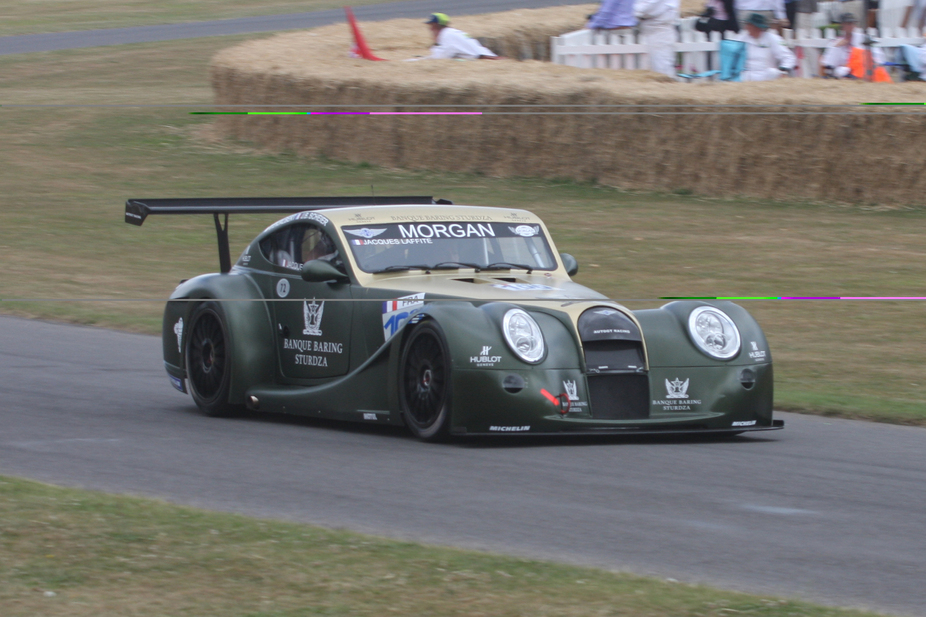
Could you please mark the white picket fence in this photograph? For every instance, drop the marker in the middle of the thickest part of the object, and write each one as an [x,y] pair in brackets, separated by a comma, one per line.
[623,49]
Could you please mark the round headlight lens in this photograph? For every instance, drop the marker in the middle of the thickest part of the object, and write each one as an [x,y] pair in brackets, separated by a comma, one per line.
[523,335]
[714,332]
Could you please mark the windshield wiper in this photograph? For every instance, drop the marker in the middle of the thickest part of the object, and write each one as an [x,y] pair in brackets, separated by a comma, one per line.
[504,265]
[456,264]
[424,267]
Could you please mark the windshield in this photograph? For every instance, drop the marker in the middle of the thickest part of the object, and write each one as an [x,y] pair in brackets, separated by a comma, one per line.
[427,246]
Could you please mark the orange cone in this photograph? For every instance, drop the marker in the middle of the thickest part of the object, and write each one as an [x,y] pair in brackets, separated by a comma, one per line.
[360,47]
[859,60]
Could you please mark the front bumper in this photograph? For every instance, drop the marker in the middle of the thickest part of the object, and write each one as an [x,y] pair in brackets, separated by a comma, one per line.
[697,400]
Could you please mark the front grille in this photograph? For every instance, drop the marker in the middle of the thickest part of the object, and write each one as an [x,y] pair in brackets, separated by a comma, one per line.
[604,356]
[619,396]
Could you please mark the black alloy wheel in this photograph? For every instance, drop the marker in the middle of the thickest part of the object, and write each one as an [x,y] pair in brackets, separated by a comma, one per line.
[424,383]
[208,360]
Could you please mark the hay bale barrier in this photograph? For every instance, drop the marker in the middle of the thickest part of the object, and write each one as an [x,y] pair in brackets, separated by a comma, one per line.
[868,156]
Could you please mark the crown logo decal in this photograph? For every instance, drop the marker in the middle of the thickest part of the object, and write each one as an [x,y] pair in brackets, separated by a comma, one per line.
[677,388]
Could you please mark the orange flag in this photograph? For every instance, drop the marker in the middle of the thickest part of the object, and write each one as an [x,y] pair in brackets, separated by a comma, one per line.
[360,45]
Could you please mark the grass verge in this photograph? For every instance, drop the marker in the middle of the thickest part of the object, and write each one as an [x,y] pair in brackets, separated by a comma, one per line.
[30,16]
[66,173]
[66,552]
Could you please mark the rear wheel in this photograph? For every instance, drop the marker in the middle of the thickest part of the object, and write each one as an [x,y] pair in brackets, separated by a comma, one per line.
[424,383]
[208,361]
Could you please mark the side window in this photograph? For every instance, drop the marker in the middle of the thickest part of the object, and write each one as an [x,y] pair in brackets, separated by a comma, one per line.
[294,245]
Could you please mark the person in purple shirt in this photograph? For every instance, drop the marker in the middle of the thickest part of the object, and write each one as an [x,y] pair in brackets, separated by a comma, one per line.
[613,14]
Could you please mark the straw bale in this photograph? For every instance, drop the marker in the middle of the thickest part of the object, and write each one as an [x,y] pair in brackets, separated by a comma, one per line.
[870,157]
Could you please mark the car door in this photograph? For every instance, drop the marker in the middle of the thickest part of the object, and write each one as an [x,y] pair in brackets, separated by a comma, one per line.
[312,320]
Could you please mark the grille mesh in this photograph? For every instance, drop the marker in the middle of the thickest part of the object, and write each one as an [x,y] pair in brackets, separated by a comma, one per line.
[619,396]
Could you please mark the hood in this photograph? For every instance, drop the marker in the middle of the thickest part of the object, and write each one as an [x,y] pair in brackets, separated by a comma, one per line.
[495,286]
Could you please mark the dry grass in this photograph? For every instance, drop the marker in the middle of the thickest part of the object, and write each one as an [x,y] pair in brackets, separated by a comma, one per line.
[869,157]
[321,55]
[70,553]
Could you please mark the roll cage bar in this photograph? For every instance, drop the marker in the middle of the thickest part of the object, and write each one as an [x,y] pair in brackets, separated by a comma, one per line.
[137,210]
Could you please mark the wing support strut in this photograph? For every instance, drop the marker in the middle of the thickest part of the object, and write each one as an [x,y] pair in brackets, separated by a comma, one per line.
[222,236]
[137,210]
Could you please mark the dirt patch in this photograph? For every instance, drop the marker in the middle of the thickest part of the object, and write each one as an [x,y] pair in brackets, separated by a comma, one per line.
[865,157]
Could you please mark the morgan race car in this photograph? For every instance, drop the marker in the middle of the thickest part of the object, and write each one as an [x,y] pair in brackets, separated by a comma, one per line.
[451,320]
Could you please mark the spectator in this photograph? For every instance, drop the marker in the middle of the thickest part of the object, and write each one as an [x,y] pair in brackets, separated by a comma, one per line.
[612,14]
[791,12]
[804,10]
[873,6]
[766,57]
[657,28]
[916,10]
[772,10]
[452,43]
[835,60]
[719,16]
[856,7]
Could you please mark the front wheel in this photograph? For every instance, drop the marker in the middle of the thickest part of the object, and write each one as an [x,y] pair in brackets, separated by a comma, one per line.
[208,360]
[424,383]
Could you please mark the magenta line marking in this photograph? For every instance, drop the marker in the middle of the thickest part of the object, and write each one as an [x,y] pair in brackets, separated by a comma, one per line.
[425,113]
[884,298]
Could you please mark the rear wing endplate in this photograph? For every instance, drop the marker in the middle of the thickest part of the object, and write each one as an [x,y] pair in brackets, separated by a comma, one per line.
[137,210]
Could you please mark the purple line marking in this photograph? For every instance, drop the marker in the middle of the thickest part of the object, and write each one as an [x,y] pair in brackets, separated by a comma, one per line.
[884,298]
[821,298]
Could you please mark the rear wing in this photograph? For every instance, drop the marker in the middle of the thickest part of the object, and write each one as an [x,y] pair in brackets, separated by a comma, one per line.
[137,210]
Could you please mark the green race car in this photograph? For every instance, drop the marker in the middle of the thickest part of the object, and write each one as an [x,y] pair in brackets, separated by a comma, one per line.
[451,320]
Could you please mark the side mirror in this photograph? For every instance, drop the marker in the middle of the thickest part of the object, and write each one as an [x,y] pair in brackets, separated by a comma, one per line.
[319,271]
[570,263]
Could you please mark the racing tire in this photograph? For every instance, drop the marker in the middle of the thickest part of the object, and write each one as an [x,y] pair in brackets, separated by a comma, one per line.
[424,383]
[208,361]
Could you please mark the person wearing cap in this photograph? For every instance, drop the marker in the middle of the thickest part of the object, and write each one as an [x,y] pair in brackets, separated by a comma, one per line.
[657,29]
[452,43]
[835,60]
[773,10]
[766,57]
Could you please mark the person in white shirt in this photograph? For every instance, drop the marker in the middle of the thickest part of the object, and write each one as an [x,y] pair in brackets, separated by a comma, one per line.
[453,43]
[657,19]
[766,57]
[835,59]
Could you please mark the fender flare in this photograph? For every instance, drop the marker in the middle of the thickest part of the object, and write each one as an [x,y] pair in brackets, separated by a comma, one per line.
[247,317]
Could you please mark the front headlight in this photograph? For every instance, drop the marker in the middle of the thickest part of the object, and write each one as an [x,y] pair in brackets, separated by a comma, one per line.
[523,335]
[713,332]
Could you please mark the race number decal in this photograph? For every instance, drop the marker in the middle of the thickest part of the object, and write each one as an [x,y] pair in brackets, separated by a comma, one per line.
[397,312]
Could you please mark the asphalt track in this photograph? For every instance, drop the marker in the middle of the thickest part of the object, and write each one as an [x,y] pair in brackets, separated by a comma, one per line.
[828,510]
[270,23]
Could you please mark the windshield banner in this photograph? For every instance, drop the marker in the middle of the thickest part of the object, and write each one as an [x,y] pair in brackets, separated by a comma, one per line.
[427,233]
